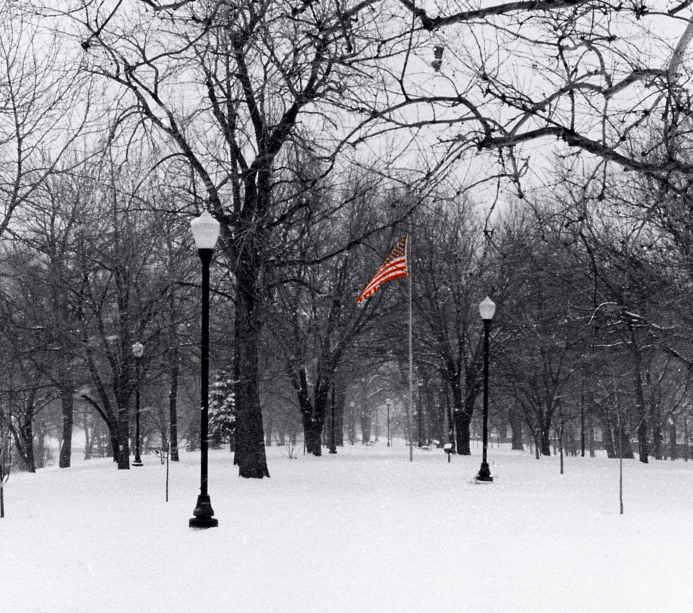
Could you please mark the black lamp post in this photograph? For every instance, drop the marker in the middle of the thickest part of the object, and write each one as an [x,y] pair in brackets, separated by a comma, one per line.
[205,230]
[138,352]
[487,309]
[388,402]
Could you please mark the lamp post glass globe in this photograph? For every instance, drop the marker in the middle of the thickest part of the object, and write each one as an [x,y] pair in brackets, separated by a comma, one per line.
[205,230]
[138,349]
[487,309]
[138,352]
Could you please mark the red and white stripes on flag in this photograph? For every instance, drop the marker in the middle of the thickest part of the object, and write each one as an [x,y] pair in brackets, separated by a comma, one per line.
[394,267]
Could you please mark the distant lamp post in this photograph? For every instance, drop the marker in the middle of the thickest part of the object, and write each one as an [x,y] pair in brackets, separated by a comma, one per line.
[205,231]
[388,402]
[487,309]
[138,352]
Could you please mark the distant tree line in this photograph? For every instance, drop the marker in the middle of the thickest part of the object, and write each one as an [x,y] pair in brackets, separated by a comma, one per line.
[318,134]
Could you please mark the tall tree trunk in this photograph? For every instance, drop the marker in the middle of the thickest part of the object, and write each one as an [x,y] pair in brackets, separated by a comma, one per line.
[365,424]
[590,437]
[545,440]
[88,436]
[173,402]
[462,416]
[657,440]
[463,432]
[24,438]
[516,427]
[250,439]
[673,451]
[340,401]
[40,452]
[640,407]
[312,435]
[608,438]
[626,447]
[67,405]
[268,427]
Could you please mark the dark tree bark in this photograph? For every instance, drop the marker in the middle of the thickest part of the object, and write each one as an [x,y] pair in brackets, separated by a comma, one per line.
[88,436]
[462,432]
[173,401]
[640,405]
[545,437]
[249,436]
[269,428]
[516,427]
[67,405]
[673,450]
[365,422]
[340,402]
[607,436]
[657,440]
[24,443]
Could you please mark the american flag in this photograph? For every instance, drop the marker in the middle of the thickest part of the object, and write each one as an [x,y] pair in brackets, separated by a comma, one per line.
[394,267]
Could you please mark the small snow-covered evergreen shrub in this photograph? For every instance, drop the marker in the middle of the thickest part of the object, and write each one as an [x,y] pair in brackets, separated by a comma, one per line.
[222,410]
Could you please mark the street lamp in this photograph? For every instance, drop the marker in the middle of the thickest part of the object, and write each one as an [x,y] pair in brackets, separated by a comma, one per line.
[138,352]
[388,402]
[205,231]
[487,309]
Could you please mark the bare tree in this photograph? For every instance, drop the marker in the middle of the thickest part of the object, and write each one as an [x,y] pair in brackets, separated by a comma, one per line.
[230,86]
[45,103]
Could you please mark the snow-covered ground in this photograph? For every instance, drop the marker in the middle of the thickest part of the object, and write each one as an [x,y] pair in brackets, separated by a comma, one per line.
[363,531]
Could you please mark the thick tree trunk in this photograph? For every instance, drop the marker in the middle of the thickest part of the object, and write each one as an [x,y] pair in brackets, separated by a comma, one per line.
[608,437]
[250,438]
[657,440]
[673,451]
[67,402]
[626,447]
[365,424]
[463,432]
[545,439]
[25,445]
[643,445]
[312,433]
[516,428]
[462,416]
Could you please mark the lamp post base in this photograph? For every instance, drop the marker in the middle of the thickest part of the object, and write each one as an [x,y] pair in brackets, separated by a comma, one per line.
[333,450]
[203,514]
[484,473]
[137,462]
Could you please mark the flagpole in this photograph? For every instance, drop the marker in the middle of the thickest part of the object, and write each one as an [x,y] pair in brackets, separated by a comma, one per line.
[411,360]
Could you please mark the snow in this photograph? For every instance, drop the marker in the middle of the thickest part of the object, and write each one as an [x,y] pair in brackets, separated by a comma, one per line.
[364,530]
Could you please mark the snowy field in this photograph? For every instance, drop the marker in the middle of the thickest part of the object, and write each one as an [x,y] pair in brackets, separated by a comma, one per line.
[363,531]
